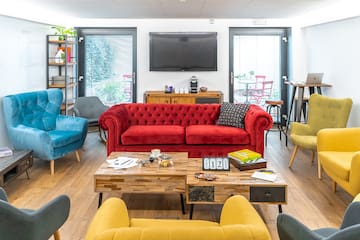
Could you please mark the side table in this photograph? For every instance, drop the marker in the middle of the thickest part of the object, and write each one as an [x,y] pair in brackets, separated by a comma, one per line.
[15,165]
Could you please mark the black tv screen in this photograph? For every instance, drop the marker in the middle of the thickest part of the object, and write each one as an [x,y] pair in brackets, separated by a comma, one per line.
[183,51]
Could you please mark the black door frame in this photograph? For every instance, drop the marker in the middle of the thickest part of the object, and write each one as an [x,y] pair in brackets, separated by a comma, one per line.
[285,34]
[83,31]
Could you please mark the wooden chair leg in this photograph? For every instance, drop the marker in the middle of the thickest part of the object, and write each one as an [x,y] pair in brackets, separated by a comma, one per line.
[334,186]
[293,155]
[52,167]
[313,156]
[77,155]
[57,235]
[319,168]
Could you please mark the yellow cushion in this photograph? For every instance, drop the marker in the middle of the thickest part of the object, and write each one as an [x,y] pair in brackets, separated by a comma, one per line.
[167,223]
[239,220]
[338,163]
[308,142]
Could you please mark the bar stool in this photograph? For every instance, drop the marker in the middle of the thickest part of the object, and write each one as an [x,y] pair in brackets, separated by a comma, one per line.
[271,106]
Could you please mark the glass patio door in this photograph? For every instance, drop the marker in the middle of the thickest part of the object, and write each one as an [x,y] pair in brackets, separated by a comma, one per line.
[258,65]
[107,64]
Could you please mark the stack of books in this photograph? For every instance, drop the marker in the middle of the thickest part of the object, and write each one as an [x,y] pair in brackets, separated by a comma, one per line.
[246,159]
[5,152]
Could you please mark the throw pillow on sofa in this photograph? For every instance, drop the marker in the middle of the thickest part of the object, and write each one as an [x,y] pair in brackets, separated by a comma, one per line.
[232,114]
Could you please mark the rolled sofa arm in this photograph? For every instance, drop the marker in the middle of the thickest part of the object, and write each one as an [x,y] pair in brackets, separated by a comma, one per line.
[24,137]
[115,122]
[112,214]
[240,217]
[256,122]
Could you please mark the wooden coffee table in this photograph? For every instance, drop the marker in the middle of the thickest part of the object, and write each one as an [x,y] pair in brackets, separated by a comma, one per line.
[149,178]
[228,183]
[180,179]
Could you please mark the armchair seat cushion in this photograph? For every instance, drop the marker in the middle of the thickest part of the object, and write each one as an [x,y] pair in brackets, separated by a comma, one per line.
[169,223]
[307,142]
[153,134]
[339,163]
[214,134]
[62,138]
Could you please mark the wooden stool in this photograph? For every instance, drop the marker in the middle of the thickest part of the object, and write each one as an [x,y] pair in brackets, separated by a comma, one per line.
[271,105]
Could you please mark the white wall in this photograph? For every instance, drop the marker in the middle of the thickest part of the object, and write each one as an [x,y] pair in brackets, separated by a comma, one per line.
[157,80]
[334,49]
[330,48]
[22,61]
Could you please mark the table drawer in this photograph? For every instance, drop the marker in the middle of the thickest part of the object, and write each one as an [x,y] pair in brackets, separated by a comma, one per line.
[268,194]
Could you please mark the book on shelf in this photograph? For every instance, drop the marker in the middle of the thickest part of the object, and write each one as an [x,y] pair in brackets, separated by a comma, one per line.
[265,174]
[5,152]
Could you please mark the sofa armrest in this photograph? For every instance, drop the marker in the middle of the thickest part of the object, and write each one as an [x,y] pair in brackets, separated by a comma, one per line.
[112,214]
[24,137]
[115,122]
[355,174]
[256,122]
[301,129]
[329,139]
[71,123]
[238,210]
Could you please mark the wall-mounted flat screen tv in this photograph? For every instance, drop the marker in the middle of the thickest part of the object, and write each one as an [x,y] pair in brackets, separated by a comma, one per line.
[183,51]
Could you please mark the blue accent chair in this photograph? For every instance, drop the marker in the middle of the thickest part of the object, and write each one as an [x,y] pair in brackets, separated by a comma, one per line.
[39,224]
[291,229]
[34,122]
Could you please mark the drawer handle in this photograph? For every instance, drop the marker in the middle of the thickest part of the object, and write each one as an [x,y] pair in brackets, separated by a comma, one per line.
[268,195]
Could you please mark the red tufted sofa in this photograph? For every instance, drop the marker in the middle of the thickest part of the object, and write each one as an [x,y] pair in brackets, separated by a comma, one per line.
[140,127]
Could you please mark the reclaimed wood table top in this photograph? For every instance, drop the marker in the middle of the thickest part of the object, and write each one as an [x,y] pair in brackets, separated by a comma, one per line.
[184,166]
[180,160]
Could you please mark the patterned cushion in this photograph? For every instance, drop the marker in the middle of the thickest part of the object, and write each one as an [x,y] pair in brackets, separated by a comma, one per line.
[232,114]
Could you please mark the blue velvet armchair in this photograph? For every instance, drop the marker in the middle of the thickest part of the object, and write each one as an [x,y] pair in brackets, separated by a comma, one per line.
[34,122]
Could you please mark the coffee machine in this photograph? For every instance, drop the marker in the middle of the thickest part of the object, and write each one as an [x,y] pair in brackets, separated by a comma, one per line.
[193,84]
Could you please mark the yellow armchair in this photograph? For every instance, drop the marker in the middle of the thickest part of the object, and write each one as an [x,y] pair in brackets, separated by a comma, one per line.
[239,220]
[339,157]
[324,112]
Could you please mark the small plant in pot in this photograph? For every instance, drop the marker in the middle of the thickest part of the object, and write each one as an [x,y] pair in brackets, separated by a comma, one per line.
[63,31]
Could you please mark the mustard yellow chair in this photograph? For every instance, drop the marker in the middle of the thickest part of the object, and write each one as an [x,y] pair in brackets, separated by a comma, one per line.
[239,220]
[339,157]
[324,112]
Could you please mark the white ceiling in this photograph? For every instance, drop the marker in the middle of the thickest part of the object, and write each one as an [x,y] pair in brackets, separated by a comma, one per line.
[70,12]
[175,8]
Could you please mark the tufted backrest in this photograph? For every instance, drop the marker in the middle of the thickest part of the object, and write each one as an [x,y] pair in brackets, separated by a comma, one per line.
[172,114]
[327,112]
[37,109]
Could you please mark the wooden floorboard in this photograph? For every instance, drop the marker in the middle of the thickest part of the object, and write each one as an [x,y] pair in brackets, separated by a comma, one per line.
[310,200]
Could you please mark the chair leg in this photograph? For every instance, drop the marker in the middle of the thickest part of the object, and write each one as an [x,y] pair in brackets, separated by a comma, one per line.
[319,168]
[57,235]
[293,155]
[313,156]
[334,186]
[52,167]
[77,155]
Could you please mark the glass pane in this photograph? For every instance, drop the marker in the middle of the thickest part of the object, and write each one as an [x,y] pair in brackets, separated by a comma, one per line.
[256,69]
[108,68]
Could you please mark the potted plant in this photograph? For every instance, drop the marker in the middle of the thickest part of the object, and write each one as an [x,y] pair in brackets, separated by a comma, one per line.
[63,31]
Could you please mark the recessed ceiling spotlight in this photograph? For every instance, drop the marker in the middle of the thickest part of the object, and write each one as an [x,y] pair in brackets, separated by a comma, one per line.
[182,1]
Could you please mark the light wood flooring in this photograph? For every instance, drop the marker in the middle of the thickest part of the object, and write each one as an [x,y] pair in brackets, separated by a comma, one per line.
[310,200]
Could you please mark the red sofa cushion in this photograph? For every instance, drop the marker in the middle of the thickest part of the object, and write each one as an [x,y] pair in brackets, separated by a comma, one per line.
[213,134]
[153,134]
